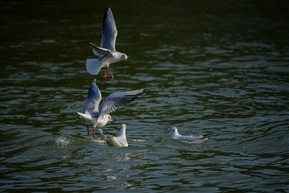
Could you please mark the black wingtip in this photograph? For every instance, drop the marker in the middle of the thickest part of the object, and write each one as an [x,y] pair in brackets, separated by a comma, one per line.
[143,91]
[91,45]
[207,136]
[107,9]
[106,12]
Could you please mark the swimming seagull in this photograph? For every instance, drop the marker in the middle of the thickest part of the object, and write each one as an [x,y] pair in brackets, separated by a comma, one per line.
[99,116]
[106,52]
[120,139]
[188,139]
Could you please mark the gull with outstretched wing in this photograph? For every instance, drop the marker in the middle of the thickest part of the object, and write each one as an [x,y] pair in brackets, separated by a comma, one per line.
[106,53]
[99,115]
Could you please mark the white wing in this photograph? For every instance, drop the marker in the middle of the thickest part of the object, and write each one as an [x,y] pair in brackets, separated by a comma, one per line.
[98,51]
[117,100]
[93,99]
[192,138]
[85,116]
[109,31]
[118,142]
[122,141]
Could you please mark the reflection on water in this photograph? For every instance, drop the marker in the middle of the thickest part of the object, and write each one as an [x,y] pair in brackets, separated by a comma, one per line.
[216,67]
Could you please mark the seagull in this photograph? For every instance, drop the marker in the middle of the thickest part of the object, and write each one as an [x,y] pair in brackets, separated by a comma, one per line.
[187,139]
[120,139]
[99,116]
[106,52]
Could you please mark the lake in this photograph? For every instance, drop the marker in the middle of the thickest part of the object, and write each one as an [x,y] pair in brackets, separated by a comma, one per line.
[208,67]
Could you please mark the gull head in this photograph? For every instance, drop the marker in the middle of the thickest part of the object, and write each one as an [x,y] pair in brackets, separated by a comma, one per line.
[124,57]
[122,130]
[123,126]
[173,131]
[109,118]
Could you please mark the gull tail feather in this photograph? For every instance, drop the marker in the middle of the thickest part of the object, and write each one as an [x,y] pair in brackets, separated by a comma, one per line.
[93,66]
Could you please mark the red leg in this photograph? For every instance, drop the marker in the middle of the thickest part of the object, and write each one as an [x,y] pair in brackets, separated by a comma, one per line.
[110,73]
[94,133]
[88,133]
[104,75]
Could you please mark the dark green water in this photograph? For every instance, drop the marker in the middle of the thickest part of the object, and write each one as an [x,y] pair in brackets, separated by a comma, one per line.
[218,67]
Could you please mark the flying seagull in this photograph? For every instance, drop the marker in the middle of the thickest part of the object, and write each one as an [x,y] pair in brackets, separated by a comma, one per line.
[106,52]
[99,116]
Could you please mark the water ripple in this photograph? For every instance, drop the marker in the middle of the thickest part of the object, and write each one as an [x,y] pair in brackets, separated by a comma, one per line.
[217,71]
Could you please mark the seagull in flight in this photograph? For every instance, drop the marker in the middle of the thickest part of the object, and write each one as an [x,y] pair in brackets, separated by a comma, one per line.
[174,134]
[120,139]
[99,116]
[106,52]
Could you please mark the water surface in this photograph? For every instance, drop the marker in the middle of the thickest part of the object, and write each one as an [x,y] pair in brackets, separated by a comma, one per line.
[216,67]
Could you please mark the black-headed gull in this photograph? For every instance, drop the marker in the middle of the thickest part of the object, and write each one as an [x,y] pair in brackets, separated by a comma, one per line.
[106,52]
[97,115]
[120,139]
[174,134]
